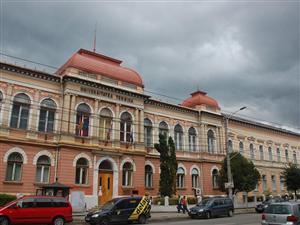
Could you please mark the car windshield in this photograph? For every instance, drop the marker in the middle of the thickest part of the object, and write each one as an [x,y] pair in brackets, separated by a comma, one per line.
[108,205]
[204,202]
[279,209]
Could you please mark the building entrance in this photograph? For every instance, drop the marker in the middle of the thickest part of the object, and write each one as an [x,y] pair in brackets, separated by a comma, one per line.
[105,182]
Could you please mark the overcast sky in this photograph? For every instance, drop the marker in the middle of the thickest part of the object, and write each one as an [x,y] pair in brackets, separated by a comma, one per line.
[241,53]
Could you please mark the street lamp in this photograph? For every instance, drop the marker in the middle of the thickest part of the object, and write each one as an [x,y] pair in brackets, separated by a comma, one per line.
[229,176]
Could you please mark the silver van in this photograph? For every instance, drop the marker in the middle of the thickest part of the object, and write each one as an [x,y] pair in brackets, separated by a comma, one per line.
[283,213]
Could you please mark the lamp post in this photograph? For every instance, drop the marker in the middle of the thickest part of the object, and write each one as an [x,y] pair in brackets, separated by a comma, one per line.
[229,176]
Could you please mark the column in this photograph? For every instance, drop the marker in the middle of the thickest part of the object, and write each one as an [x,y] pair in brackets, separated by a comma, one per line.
[65,113]
[72,121]
[7,106]
[116,129]
[95,125]
[141,121]
[34,112]
[136,131]
[202,138]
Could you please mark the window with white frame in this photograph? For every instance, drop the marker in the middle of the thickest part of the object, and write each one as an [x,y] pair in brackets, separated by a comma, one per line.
[241,148]
[163,128]
[192,139]
[148,176]
[294,157]
[43,169]
[252,155]
[81,171]
[126,133]
[270,154]
[230,146]
[195,178]
[106,124]
[211,141]
[14,167]
[148,129]
[264,182]
[215,179]
[287,155]
[83,120]
[278,155]
[178,134]
[273,178]
[20,111]
[127,174]
[180,177]
[47,116]
[281,183]
[261,152]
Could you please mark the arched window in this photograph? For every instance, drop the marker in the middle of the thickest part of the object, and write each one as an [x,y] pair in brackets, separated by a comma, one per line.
[211,141]
[43,169]
[163,128]
[192,139]
[81,171]
[241,148]
[20,111]
[294,157]
[270,153]
[195,178]
[261,152]
[252,155]
[126,133]
[127,174]
[180,177]
[106,124]
[278,155]
[47,115]
[148,133]
[230,147]
[287,154]
[148,176]
[215,179]
[14,167]
[83,120]
[178,133]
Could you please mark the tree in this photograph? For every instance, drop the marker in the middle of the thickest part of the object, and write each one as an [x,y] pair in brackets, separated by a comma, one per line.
[291,175]
[168,165]
[245,175]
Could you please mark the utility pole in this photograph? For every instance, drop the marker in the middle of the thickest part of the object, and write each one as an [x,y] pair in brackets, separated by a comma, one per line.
[229,175]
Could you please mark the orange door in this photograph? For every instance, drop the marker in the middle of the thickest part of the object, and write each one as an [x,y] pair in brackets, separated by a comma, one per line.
[105,187]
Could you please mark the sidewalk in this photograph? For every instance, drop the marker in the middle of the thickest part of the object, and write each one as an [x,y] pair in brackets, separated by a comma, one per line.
[164,213]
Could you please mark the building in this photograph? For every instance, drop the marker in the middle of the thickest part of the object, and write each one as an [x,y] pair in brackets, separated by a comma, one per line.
[91,126]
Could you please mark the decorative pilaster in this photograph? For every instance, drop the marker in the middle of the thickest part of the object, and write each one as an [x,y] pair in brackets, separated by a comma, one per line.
[95,125]
[65,114]
[72,122]
[141,123]
[116,125]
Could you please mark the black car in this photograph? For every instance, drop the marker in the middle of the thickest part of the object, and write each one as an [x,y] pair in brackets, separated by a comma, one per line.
[119,210]
[260,208]
[214,206]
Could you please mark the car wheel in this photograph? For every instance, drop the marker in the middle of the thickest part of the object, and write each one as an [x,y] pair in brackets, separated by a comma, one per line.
[104,221]
[142,219]
[4,221]
[230,213]
[207,215]
[58,221]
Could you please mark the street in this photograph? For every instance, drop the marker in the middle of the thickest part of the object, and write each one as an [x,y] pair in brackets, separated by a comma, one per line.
[239,219]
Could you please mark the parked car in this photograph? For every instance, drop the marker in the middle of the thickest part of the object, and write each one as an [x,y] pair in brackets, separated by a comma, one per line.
[37,210]
[283,213]
[214,206]
[120,210]
[261,207]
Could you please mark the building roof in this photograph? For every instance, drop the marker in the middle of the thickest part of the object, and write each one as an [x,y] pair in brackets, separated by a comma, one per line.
[200,98]
[95,63]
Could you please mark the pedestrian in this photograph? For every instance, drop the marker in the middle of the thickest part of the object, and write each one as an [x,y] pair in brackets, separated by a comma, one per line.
[179,204]
[184,204]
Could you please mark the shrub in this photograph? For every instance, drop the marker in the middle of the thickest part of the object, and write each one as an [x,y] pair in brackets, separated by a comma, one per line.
[192,200]
[4,198]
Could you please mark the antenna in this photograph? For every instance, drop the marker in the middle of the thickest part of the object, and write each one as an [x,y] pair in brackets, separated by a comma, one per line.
[95,37]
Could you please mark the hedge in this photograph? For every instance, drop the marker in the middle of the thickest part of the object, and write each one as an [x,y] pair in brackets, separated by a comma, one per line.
[4,198]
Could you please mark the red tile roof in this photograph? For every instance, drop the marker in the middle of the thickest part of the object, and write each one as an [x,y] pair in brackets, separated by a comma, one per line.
[200,98]
[92,62]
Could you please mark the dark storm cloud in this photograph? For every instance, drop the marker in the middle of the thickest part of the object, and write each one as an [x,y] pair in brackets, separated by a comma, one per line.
[240,53]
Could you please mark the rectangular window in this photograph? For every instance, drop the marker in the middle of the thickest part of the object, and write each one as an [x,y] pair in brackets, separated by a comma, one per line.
[281,183]
[264,182]
[273,183]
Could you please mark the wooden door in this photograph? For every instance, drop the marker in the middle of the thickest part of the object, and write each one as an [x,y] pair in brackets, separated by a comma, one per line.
[105,188]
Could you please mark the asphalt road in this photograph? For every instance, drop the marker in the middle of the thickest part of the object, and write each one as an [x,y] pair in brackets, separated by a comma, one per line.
[239,219]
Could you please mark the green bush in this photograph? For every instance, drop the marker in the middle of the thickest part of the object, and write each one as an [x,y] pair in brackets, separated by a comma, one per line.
[4,198]
[161,201]
[192,200]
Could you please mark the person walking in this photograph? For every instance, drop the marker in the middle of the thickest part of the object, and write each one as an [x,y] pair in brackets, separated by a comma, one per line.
[179,204]
[184,204]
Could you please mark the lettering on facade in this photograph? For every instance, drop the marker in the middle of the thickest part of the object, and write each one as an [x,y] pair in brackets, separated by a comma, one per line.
[93,91]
